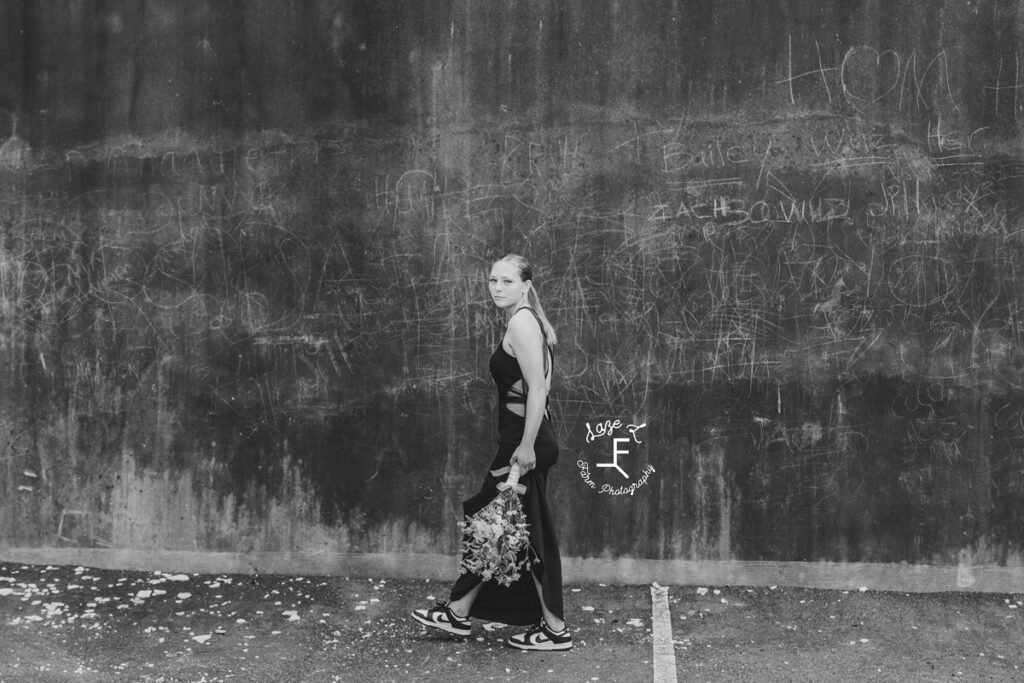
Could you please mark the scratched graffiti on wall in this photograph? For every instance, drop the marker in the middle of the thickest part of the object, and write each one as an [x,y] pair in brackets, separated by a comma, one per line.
[281,343]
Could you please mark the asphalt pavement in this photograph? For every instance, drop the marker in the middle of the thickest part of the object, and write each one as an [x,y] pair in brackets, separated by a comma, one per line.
[62,623]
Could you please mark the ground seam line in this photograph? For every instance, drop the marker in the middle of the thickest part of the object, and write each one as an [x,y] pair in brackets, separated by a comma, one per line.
[661,628]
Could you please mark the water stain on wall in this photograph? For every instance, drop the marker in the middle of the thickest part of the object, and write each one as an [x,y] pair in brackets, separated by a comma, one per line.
[248,313]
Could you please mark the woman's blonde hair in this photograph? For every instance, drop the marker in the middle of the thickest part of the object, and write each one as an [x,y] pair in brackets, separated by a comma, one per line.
[526,274]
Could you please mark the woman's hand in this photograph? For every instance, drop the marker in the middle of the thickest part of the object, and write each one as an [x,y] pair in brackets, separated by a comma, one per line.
[525,456]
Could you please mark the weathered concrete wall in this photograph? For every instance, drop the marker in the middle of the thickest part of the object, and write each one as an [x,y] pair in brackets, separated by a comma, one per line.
[242,299]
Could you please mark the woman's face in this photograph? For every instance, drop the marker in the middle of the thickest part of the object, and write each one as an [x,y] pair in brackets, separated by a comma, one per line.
[507,288]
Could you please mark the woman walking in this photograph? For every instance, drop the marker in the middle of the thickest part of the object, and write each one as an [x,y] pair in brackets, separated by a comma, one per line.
[521,366]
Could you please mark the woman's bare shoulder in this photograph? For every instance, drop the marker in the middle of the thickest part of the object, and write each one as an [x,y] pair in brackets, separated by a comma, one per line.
[523,325]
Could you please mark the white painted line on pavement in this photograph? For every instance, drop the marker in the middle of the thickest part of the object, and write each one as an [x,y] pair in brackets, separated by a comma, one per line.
[664,650]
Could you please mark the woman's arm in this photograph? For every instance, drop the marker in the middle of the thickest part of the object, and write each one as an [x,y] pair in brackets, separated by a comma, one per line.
[527,342]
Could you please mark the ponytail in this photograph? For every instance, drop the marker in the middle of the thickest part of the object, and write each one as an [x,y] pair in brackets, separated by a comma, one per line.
[534,301]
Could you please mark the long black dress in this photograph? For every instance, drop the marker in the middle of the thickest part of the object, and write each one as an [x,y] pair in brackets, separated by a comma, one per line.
[518,604]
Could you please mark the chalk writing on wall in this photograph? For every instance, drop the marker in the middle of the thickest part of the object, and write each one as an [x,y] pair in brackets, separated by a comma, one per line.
[817,311]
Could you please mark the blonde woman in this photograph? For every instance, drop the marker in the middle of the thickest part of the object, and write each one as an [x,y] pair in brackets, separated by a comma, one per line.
[521,366]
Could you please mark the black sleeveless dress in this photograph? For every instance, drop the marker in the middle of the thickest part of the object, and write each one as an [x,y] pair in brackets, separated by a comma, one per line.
[518,604]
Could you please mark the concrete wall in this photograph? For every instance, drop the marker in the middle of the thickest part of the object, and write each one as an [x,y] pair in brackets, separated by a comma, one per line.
[244,245]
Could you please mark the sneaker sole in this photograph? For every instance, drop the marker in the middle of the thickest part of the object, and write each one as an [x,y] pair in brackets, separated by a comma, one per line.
[545,647]
[447,628]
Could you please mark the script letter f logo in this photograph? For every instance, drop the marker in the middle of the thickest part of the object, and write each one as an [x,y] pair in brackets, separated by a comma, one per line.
[616,452]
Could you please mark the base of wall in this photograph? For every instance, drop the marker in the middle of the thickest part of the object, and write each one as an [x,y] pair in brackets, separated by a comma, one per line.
[832,575]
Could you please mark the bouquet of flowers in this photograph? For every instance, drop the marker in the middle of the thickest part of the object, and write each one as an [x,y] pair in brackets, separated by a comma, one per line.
[495,540]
